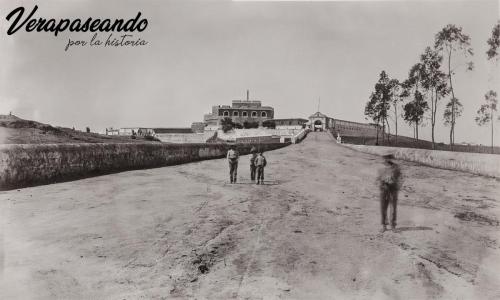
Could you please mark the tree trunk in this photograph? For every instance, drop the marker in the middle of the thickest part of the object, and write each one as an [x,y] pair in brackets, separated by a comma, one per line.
[451,139]
[492,121]
[452,130]
[383,130]
[388,131]
[433,143]
[453,135]
[396,120]
[432,119]
[416,130]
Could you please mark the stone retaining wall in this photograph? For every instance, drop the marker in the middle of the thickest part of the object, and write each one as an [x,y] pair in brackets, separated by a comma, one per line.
[27,165]
[475,163]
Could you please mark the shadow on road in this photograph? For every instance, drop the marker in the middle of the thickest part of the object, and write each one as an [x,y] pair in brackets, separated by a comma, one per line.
[401,229]
[254,182]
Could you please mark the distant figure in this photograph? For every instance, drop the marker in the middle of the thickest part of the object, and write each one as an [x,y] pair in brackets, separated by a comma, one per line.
[260,163]
[232,158]
[389,179]
[339,139]
[253,167]
[87,129]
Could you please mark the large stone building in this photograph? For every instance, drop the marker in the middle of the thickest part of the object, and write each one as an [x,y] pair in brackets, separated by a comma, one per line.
[240,111]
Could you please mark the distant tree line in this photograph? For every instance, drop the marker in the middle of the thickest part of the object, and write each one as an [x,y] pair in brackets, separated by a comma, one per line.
[429,81]
[227,124]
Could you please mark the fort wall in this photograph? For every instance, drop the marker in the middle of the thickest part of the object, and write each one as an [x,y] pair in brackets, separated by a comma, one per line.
[348,128]
[32,164]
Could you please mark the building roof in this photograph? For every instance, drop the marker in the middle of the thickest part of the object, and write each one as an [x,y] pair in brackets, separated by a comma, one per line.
[249,103]
[173,130]
[318,115]
[291,119]
[247,108]
[357,123]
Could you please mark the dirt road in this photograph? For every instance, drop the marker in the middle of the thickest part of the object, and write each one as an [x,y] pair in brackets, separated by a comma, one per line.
[310,233]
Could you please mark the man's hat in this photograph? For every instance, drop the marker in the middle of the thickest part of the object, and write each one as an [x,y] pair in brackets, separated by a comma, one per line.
[388,156]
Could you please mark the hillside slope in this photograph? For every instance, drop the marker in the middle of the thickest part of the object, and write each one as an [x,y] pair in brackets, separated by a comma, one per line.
[14,130]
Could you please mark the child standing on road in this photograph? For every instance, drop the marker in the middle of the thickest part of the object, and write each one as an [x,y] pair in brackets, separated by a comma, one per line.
[253,168]
[232,158]
[260,163]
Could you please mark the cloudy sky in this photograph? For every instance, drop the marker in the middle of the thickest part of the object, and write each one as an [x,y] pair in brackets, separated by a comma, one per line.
[288,54]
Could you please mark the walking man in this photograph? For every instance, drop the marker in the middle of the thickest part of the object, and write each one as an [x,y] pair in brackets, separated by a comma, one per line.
[253,168]
[389,180]
[260,163]
[232,158]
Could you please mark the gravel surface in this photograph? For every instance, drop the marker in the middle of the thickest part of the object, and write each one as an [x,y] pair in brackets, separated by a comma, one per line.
[312,232]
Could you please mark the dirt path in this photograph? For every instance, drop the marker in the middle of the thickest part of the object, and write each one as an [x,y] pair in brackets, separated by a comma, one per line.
[183,232]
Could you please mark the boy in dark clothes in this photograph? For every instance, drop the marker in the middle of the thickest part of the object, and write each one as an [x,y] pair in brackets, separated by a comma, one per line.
[253,168]
[389,181]
[232,158]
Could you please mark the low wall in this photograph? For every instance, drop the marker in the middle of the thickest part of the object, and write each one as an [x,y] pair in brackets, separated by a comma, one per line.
[475,163]
[27,165]
[183,138]
[300,136]
[255,132]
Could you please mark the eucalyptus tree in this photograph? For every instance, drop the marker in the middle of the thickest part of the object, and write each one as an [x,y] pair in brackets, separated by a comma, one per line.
[414,111]
[379,103]
[452,111]
[434,82]
[494,42]
[371,110]
[413,88]
[486,112]
[396,98]
[450,40]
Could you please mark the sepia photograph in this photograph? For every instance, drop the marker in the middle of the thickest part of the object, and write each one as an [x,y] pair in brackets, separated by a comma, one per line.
[249,149]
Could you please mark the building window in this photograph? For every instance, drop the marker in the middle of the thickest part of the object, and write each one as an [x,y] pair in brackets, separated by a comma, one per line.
[235,114]
[254,114]
[289,122]
[244,114]
[263,114]
[226,113]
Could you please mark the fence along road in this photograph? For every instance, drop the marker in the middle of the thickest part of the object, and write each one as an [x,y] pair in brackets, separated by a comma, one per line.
[181,231]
